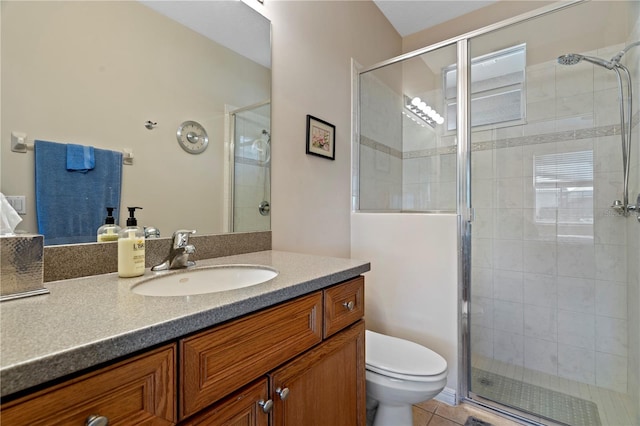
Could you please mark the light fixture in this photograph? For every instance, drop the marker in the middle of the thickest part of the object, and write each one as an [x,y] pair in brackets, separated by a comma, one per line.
[424,112]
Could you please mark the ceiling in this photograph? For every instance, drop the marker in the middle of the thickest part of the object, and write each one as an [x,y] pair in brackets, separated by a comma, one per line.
[220,21]
[411,16]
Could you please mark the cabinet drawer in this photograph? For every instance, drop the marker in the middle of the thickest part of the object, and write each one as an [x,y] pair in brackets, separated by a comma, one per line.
[343,305]
[216,362]
[137,391]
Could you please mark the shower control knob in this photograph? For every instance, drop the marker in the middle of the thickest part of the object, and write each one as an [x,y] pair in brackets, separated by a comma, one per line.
[283,393]
[264,208]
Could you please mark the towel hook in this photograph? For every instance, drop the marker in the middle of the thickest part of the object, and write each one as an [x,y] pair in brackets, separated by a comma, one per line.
[150,124]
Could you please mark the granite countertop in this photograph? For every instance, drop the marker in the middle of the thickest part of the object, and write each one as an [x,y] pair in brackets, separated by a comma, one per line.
[87,321]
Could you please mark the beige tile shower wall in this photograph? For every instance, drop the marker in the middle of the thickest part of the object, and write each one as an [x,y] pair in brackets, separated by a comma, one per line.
[429,158]
[380,163]
[91,102]
[550,284]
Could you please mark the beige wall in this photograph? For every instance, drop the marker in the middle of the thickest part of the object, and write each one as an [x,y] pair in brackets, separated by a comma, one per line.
[412,288]
[313,43]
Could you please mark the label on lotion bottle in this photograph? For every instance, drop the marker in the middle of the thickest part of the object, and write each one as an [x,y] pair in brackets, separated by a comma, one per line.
[131,256]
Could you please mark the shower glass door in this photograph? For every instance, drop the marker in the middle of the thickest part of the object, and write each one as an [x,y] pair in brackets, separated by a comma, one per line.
[554,323]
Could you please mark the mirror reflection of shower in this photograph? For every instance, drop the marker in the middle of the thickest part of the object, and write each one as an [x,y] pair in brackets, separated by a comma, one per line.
[262,146]
[250,168]
[626,115]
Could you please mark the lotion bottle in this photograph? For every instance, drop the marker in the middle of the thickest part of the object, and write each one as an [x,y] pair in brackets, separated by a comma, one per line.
[109,231]
[131,255]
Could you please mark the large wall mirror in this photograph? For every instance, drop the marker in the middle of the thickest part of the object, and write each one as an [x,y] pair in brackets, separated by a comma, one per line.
[123,76]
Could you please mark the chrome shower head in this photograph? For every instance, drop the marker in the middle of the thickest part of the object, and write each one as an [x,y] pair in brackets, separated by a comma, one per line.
[574,58]
[569,59]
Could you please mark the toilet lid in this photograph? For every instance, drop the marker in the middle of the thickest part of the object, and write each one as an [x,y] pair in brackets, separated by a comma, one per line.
[399,356]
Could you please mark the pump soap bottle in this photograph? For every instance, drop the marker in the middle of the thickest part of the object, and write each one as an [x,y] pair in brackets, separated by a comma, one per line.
[108,231]
[131,256]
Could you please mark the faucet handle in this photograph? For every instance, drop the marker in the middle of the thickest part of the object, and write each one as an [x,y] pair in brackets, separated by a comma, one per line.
[181,237]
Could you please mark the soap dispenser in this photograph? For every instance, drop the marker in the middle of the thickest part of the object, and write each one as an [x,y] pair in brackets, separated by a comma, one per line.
[108,231]
[131,255]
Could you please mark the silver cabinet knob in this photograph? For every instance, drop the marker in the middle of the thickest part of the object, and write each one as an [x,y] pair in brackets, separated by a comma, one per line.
[96,420]
[266,405]
[349,305]
[283,393]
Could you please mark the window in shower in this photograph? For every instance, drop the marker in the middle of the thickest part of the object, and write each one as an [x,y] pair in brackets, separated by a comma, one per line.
[497,88]
[563,185]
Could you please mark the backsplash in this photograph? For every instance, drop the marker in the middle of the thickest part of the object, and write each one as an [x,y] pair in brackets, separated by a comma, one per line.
[81,260]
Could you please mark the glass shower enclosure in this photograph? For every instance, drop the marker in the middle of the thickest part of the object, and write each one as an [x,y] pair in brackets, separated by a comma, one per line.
[525,145]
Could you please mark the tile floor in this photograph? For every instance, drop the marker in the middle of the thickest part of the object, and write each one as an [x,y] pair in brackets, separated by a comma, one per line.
[435,413]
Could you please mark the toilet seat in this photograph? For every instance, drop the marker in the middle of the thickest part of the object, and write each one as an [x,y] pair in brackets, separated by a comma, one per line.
[402,359]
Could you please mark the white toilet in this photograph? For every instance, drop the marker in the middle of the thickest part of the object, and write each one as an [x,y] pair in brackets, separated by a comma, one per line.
[399,374]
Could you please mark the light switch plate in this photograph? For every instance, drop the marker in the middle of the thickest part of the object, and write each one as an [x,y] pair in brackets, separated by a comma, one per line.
[18,202]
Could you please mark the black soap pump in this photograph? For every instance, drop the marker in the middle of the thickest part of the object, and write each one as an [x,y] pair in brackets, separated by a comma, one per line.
[108,231]
[131,250]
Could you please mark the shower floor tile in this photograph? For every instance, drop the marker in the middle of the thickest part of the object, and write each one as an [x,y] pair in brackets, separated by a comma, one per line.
[614,408]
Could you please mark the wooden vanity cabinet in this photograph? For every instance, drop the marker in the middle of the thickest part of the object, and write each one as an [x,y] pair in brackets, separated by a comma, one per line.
[140,390]
[298,363]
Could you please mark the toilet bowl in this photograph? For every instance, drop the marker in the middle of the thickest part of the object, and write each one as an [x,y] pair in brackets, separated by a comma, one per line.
[400,373]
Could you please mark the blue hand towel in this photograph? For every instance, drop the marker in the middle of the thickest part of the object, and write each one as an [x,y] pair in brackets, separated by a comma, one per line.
[72,206]
[80,158]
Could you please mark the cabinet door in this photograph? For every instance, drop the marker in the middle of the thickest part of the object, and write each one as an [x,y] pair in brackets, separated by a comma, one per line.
[243,408]
[137,391]
[324,386]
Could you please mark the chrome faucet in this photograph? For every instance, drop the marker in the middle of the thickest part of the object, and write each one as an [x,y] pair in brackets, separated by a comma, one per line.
[179,254]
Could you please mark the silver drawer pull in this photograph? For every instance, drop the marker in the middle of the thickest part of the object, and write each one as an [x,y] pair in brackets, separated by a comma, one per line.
[283,393]
[266,405]
[96,420]
[349,305]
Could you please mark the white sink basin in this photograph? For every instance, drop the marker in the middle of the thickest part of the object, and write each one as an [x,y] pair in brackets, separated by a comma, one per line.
[205,280]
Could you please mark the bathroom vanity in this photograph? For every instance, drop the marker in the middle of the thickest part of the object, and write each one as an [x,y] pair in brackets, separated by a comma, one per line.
[288,351]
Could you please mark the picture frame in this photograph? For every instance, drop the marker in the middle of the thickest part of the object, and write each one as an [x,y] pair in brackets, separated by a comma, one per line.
[321,138]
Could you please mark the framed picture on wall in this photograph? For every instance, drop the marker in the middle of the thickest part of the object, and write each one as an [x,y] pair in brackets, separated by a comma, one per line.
[321,138]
